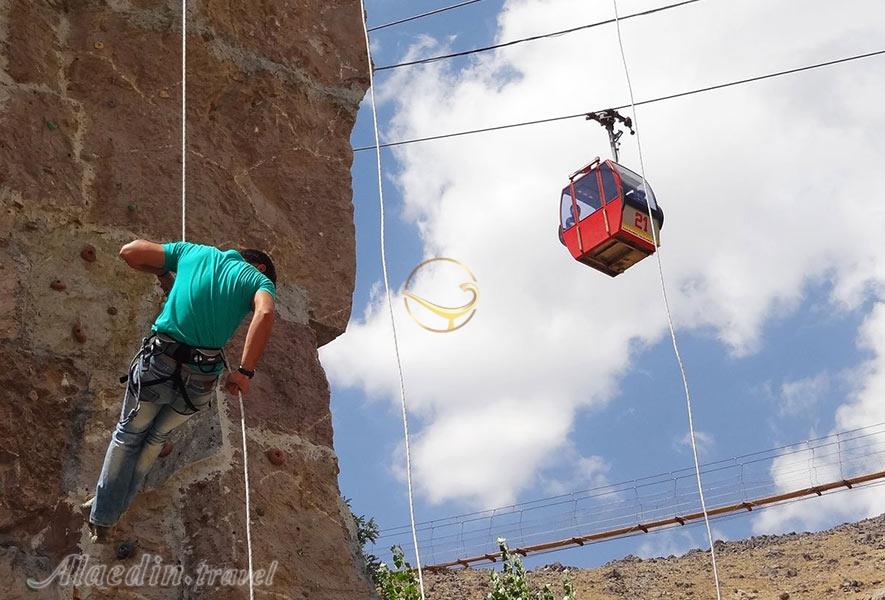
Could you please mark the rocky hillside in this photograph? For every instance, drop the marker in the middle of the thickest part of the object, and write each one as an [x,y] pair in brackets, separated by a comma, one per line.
[845,562]
[90,158]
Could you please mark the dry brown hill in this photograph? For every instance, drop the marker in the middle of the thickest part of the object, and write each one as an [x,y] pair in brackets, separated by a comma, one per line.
[845,562]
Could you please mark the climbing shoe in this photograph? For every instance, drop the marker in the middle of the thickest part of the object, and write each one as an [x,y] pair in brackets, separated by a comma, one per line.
[99,534]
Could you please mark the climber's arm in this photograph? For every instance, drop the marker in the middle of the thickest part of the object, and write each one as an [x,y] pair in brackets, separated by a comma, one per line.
[145,256]
[256,340]
[149,257]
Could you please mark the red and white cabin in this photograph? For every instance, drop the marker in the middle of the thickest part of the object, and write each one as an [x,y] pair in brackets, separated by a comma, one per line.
[604,217]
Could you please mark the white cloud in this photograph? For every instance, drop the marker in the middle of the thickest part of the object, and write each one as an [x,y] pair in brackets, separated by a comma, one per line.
[677,541]
[674,542]
[704,442]
[586,472]
[766,188]
[858,457]
[803,395]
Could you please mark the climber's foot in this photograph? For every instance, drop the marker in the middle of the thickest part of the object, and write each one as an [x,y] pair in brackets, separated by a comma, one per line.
[98,534]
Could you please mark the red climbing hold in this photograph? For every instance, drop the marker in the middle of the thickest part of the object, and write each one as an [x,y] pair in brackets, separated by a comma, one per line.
[275,456]
[88,253]
[167,449]
[79,333]
[58,285]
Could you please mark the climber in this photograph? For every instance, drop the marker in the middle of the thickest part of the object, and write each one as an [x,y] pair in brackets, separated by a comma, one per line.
[175,372]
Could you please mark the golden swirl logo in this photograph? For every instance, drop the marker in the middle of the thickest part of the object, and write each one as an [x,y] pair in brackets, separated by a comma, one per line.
[424,311]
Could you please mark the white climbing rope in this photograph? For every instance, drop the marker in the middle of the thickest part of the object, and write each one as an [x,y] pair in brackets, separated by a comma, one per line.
[399,365]
[183,120]
[654,233]
[248,512]
[183,238]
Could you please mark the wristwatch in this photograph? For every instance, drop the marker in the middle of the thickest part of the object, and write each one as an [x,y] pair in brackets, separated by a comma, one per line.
[246,372]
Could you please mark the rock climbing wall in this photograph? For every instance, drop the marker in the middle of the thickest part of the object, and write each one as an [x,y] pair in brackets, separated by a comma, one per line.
[89,159]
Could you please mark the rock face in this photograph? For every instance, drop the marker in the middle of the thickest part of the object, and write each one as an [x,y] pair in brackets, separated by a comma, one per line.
[89,159]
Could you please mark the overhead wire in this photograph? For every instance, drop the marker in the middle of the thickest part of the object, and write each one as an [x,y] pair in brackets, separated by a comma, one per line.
[648,101]
[422,15]
[666,302]
[532,38]
[399,364]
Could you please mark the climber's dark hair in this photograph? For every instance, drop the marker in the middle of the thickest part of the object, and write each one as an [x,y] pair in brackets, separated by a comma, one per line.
[257,257]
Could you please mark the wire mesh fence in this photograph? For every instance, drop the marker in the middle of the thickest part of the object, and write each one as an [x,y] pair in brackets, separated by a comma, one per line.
[741,479]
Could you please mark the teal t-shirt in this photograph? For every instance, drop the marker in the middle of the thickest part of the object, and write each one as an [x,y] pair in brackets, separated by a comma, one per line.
[213,291]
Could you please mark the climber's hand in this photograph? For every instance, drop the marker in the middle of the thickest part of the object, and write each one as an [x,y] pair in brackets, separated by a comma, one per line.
[165,281]
[237,382]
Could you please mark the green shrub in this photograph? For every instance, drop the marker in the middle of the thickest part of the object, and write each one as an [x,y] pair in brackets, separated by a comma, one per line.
[367,531]
[511,583]
[399,584]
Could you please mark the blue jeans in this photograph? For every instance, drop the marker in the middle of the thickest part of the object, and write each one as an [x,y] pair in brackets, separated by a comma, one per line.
[148,416]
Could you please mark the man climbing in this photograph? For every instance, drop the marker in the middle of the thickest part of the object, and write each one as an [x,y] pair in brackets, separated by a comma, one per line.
[175,372]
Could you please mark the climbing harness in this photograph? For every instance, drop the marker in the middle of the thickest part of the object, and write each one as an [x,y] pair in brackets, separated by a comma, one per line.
[691,431]
[399,365]
[203,359]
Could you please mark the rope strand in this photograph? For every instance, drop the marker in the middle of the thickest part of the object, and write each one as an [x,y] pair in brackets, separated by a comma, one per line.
[399,365]
[183,238]
[248,512]
[691,431]
[183,120]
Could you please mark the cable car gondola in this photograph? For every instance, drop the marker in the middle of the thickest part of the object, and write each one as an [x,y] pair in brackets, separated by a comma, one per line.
[604,217]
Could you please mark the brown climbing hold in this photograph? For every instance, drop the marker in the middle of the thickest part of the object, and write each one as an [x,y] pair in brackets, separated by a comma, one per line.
[125,550]
[167,449]
[33,396]
[79,333]
[88,253]
[164,94]
[112,310]
[58,285]
[99,45]
[275,456]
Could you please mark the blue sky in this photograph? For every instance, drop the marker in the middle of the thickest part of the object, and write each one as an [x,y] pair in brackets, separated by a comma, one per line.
[742,358]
